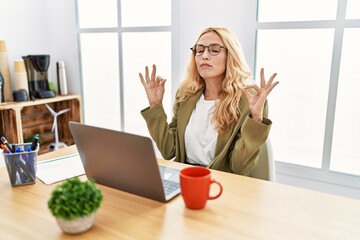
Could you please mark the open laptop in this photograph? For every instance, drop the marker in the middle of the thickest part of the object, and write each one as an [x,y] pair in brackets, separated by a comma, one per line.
[124,161]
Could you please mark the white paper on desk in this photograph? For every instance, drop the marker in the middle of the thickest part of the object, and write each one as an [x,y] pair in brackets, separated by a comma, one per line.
[58,169]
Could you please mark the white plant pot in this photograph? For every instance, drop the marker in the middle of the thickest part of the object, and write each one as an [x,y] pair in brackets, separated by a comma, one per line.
[77,225]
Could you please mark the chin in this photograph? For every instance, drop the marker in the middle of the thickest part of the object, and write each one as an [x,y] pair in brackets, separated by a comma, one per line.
[205,74]
[209,76]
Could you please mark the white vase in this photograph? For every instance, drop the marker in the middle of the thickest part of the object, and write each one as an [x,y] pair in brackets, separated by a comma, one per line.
[77,225]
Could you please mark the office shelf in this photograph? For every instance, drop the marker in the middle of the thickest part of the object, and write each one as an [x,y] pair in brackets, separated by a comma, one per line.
[20,121]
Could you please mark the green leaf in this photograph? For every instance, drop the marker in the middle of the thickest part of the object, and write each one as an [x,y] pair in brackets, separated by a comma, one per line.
[74,198]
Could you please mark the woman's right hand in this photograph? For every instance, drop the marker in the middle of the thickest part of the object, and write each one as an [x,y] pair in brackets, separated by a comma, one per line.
[154,86]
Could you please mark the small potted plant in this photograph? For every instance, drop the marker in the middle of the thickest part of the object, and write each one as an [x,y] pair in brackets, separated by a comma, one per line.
[74,204]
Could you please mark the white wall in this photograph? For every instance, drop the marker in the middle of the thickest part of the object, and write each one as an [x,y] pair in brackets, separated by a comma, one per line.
[63,42]
[42,27]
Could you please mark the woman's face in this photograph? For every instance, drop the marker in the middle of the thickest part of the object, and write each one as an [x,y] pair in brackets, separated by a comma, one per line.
[210,66]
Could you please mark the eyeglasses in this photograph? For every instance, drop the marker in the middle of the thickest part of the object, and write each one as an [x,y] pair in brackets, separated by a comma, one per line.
[214,49]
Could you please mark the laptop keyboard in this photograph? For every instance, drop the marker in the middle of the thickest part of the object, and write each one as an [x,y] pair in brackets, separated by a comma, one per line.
[170,186]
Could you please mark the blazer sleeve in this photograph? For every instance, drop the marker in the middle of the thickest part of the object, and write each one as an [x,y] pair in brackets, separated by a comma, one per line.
[162,133]
[244,152]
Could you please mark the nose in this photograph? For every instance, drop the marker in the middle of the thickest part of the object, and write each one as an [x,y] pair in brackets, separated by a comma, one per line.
[206,53]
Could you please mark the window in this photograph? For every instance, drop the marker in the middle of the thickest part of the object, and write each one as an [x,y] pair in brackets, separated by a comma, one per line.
[303,66]
[304,10]
[353,9]
[153,13]
[146,53]
[345,154]
[100,78]
[314,52]
[97,14]
[115,45]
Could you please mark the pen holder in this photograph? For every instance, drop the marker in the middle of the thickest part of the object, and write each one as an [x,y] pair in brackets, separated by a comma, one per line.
[21,165]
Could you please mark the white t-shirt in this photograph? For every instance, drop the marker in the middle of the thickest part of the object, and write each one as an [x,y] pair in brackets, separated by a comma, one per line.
[200,133]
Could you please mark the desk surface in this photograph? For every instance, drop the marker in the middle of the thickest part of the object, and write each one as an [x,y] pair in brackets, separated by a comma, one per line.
[248,209]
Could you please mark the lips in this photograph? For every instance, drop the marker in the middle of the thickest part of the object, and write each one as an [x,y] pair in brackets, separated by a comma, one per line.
[205,65]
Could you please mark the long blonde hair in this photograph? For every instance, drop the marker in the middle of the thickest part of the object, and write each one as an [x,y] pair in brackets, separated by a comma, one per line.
[237,72]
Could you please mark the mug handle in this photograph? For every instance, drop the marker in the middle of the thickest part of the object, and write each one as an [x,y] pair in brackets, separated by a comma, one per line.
[220,192]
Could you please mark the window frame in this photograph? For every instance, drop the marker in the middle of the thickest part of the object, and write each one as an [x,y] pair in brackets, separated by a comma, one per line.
[323,174]
[173,29]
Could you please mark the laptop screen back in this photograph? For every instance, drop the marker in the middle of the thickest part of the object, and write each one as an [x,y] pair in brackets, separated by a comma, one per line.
[119,160]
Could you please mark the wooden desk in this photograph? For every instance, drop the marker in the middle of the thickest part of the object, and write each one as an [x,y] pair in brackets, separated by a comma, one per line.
[248,209]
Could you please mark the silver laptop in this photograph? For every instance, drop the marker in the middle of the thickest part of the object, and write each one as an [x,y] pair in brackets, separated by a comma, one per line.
[124,161]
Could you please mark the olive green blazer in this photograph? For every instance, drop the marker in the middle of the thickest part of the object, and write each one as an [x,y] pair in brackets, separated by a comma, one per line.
[237,149]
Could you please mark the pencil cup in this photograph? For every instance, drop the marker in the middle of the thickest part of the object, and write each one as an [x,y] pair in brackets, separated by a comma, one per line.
[21,164]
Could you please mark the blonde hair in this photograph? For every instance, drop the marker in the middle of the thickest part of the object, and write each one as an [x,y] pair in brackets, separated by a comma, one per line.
[237,72]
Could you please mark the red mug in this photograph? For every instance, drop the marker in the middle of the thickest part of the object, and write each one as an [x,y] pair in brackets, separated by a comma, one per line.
[195,186]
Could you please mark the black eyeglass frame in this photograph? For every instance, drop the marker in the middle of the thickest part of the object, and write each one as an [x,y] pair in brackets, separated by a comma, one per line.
[193,49]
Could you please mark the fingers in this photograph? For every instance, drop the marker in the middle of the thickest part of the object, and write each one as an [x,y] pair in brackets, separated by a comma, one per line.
[269,85]
[162,83]
[246,93]
[142,79]
[253,85]
[153,73]
[262,77]
[153,80]
[158,79]
[147,78]
[147,74]
[272,86]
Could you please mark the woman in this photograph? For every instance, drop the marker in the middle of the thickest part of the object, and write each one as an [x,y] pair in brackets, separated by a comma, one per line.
[220,116]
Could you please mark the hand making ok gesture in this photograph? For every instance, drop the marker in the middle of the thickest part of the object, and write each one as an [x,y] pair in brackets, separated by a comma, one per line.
[257,100]
[154,86]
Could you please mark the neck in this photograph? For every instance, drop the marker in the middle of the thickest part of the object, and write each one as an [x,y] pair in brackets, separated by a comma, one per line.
[212,91]
[213,87]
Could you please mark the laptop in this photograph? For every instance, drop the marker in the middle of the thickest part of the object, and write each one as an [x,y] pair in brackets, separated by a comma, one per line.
[124,161]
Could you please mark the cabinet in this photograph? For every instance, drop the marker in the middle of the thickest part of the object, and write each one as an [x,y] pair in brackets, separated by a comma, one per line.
[20,121]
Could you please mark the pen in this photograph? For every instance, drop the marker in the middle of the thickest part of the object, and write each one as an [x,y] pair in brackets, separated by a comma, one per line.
[3,139]
[19,149]
[20,172]
[35,142]
[4,147]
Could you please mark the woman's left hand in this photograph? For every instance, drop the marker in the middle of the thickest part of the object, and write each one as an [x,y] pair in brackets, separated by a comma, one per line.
[257,100]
